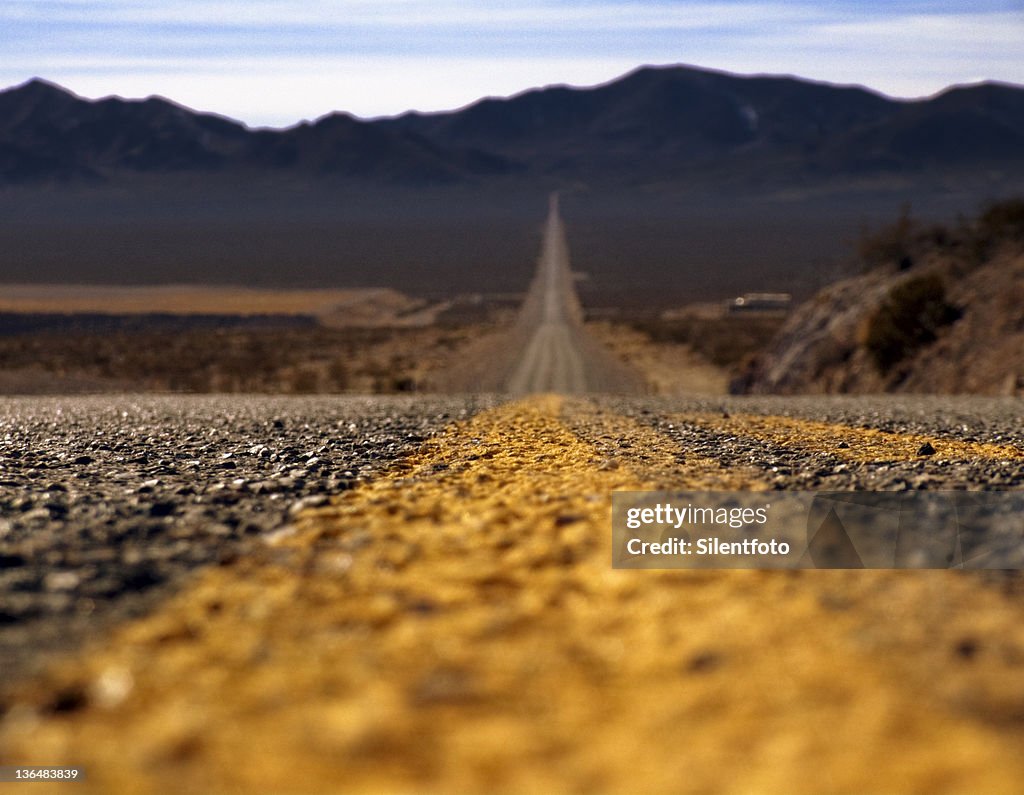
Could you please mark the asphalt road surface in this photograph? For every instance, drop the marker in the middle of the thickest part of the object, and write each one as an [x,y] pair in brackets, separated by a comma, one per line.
[449,621]
[552,360]
[557,354]
[105,502]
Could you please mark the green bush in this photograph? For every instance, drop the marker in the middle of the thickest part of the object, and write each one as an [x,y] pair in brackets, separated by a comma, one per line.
[907,320]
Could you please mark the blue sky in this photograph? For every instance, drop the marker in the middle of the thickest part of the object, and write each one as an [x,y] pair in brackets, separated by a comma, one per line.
[275,62]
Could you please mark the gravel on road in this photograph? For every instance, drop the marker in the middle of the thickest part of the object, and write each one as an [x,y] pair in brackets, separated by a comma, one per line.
[455,625]
[975,429]
[107,501]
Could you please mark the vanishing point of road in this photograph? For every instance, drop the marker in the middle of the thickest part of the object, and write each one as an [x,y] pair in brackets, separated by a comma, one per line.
[415,594]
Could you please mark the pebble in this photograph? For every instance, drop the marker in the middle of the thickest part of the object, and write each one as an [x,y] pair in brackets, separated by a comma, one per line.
[106,499]
[991,420]
[140,490]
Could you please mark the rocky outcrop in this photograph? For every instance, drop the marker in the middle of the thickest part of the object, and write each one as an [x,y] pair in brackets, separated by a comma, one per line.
[817,350]
[942,319]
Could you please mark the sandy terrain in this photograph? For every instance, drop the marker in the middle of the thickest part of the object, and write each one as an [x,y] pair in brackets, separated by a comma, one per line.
[335,308]
[669,368]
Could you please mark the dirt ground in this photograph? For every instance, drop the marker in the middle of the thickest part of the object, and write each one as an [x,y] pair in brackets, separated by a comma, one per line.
[352,307]
[362,355]
[671,369]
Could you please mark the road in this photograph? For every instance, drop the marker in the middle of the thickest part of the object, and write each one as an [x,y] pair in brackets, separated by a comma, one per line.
[450,621]
[106,503]
[547,349]
[552,360]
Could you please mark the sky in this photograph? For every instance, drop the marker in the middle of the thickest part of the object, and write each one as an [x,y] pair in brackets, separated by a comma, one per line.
[277,62]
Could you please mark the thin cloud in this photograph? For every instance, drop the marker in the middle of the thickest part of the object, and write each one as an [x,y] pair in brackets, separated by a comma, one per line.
[994,29]
[402,13]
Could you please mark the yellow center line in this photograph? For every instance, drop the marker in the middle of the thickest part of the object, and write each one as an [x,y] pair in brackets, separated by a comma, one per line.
[456,627]
[863,445]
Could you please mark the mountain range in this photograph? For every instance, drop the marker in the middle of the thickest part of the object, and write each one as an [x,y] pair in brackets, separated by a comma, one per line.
[679,184]
[656,125]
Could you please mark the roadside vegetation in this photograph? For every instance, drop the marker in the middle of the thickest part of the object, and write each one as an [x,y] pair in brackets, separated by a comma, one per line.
[915,310]
[725,341]
[936,308]
[911,317]
[286,361]
[968,243]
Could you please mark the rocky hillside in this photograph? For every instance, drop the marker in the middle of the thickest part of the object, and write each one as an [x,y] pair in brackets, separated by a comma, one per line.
[937,310]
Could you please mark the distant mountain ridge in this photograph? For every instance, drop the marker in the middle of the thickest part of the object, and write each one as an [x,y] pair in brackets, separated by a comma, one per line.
[655,125]
[48,133]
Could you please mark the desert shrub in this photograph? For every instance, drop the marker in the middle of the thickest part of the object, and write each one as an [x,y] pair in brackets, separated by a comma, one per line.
[907,320]
[724,341]
[269,360]
[905,242]
[337,375]
[1002,220]
[892,243]
[999,223]
[304,380]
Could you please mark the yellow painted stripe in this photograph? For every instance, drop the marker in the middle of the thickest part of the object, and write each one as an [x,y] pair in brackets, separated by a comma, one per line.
[864,444]
[456,627]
